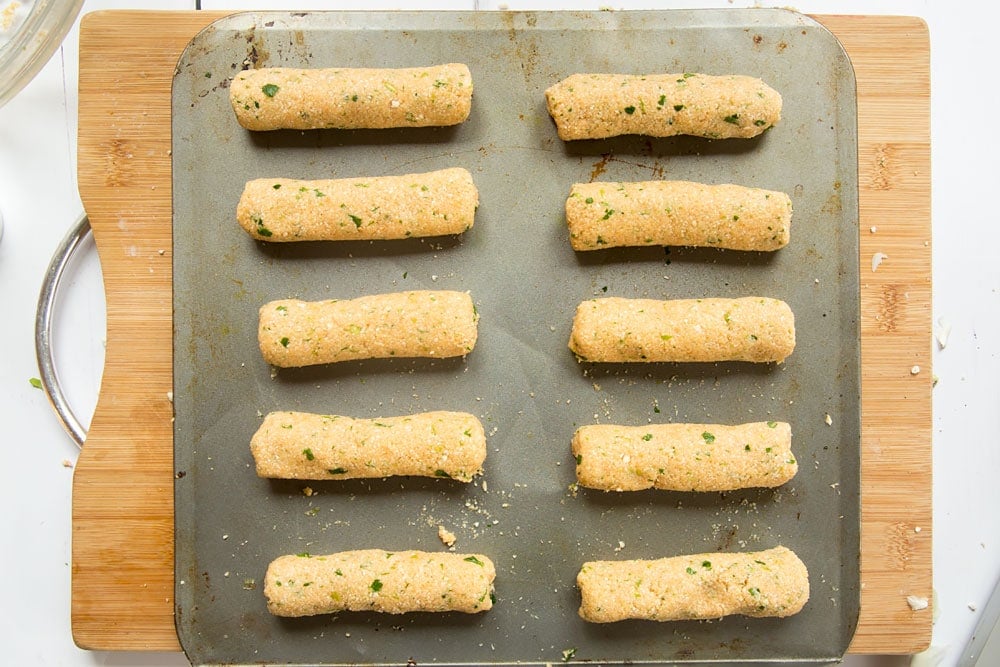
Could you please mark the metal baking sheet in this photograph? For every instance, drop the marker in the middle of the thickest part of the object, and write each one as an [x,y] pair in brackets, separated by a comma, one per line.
[521,380]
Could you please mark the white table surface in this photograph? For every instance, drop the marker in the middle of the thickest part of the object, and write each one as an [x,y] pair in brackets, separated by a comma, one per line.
[39,202]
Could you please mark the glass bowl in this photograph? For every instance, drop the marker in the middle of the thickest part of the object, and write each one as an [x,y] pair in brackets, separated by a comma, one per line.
[30,32]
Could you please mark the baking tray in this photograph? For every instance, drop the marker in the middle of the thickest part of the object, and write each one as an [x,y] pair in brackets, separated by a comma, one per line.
[521,380]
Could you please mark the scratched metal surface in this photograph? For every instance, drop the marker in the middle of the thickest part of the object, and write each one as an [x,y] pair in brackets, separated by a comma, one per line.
[521,379]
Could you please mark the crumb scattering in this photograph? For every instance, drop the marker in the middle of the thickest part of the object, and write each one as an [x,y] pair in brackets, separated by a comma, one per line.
[446,536]
[916,603]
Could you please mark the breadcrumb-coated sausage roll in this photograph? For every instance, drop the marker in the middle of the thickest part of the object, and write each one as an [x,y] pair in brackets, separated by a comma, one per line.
[351,209]
[596,106]
[684,457]
[274,98]
[422,323]
[376,580]
[300,445]
[614,329]
[700,586]
[678,213]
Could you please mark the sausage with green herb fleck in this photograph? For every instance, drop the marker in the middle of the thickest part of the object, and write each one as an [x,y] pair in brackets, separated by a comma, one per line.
[676,213]
[352,209]
[273,98]
[684,457]
[421,323]
[377,580]
[648,330]
[300,445]
[597,106]
[771,583]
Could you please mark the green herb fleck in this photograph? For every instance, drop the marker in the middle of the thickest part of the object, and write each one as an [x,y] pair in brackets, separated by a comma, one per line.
[656,409]
[337,471]
[308,454]
[35,382]
[661,101]
[746,447]
[760,123]
[355,219]
[678,107]
[588,200]
[608,212]
[568,654]
[261,229]
[440,83]
[707,564]
[269,89]
[304,554]
[312,511]
[376,586]
[579,459]
[734,119]
[753,337]
[688,75]
[630,110]
[441,473]
[318,192]
[601,241]
[772,424]
[284,341]
[277,186]
[690,570]
[473,559]
[338,572]
[647,437]
[709,438]
[754,591]
[281,309]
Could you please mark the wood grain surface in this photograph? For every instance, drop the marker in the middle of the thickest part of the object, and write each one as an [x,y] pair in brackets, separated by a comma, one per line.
[122,570]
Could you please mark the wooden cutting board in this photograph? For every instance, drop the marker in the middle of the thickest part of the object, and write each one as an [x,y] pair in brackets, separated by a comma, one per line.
[122,572]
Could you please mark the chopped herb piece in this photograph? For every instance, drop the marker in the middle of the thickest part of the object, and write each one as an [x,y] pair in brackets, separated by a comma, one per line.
[772,424]
[734,119]
[608,212]
[707,564]
[709,438]
[355,219]
[318,193]
[767,449]
[440,83]
[376,586]
[269,89]
[725,316]
[473,559]
[338,572]
[568,654]
[261,229]
[284,341]
[690,570]
[665,336]
[630,110]
[277,186]
[354,98]
[754,591]
[678,107]
[656,409]
[588,200]
[337,471]
[405,273]
[688,75]
[579,459]
[441,473]
[281,309]
[753,337]
[661,101]
[304,554]
[746,447]
[601,241]
[312,511]
[760,123]
[308,454]
[467,432]
[647,437]
[35,382]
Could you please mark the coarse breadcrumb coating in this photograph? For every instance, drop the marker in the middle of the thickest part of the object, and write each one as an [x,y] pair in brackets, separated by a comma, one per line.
[351,209]
[677,213]
[421,323]
[614,329]
[684,457]
[273,98]
[597,106]
[378,580]
[699,586]
[300,445]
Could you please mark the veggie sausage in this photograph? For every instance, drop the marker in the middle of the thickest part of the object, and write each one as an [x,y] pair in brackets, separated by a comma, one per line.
[423,323]
[647,330]
[596,106]
[377,580]
[273,98]
[700,586]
